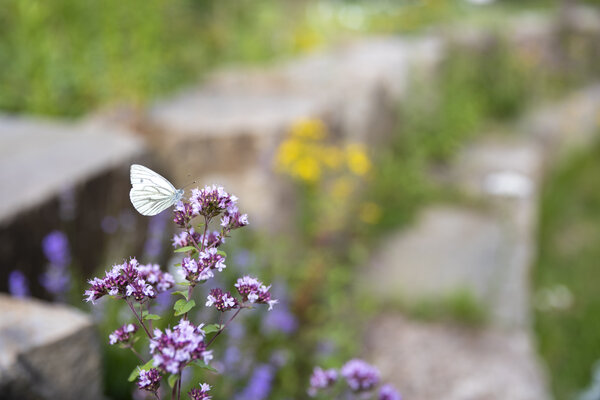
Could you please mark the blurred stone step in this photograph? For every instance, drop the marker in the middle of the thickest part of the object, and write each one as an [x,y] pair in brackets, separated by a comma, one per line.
[59,175]
[431,361]
[47,352]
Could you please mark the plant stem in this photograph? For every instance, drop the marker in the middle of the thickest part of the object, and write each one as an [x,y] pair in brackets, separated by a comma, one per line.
[223,328]
[138,318]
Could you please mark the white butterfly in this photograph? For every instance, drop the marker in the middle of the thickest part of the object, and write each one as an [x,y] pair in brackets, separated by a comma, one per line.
[151,193]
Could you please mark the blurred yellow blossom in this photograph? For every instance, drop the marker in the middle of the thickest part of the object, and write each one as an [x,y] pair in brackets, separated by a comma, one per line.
[309,128]
[358,161]
[342,188]
[369,213]
[307,169]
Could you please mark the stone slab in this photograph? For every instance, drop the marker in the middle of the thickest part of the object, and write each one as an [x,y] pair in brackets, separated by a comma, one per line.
[47,351]
[432,361]
[40,158]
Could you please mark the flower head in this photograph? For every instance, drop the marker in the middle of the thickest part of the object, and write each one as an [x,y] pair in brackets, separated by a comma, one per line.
[122,335]
[321,379]
[174,348]
[388,392]
[18,286]
[130,279]
[200,394]
[221,301]
[56,248]
[149,380]
[360,375]
[253,290]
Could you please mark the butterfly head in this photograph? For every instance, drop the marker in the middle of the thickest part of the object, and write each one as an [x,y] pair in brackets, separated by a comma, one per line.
[178,195]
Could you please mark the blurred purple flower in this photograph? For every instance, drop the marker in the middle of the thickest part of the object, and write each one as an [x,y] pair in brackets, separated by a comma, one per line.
[56,280]
[259,386]
[156,229]
[280,320]
[243,258]
[109,224]
[360,375]
[127,220]
[388,392]
[56,248]
[18,286]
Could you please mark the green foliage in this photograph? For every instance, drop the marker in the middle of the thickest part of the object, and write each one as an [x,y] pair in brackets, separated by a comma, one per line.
[461,306]
[65,57]
[183,306]
[569,250]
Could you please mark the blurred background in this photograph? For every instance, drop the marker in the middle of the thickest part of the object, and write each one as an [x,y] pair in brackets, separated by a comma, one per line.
[421,179]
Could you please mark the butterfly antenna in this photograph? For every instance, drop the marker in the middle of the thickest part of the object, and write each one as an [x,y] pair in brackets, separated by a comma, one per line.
[191,183]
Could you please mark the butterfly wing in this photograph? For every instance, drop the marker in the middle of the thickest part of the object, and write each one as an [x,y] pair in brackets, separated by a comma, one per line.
[150,192]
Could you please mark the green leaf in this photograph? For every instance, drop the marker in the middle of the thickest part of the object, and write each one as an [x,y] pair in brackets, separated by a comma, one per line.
[185,249]
[212,328]
[136,371]
[172,380]
[221,252]
[153,317]
[200,364]
[184,293]
[184,283]
[182,306]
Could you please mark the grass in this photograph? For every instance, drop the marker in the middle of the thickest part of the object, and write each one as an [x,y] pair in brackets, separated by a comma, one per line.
[569,250]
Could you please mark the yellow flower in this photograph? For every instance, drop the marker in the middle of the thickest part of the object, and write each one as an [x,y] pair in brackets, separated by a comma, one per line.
[309,128]
[342,188]
[369,213]
[331,156]
[307,169]
[357,159]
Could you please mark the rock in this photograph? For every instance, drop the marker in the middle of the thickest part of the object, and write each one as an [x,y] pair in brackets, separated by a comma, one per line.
[59,175]
[431,361]
[47,351]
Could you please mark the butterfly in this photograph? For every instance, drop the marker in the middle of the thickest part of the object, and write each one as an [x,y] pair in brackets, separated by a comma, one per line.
[151,193]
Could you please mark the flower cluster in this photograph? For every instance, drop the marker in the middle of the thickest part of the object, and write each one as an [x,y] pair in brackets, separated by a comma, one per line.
[200,394]
[210,202]
[149,380]
[222,301]
[388,392]
[360,375]
[56,279]
[174,348]
[253,290]
[192,238]
[130,279]
[123,334]
[321,379]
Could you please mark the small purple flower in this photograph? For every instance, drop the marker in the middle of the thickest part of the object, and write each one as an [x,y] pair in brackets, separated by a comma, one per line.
[130,279]
[109,224]
[174,348]
[18,286]
[321,379]
[388,392]
[222,301]
[194,272]
[259,386]
[200,394]
[56,280]
[210,258]
[149,380]
[253,290]
[211,201]
[360,375]
[123,334]
[56,248]
[282,320]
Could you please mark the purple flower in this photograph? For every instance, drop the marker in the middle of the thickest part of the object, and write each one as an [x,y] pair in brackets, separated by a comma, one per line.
[123,334]
[388,392]
[173,349]
[282,320]
[56,248]
[321,379]
[194,272]
[200,394]
[109,224]
[212,201]
[130,279]
[56,280]
[18,286]
[149,380]
[253,290]
[222,301]
[259,386]
[360,375]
